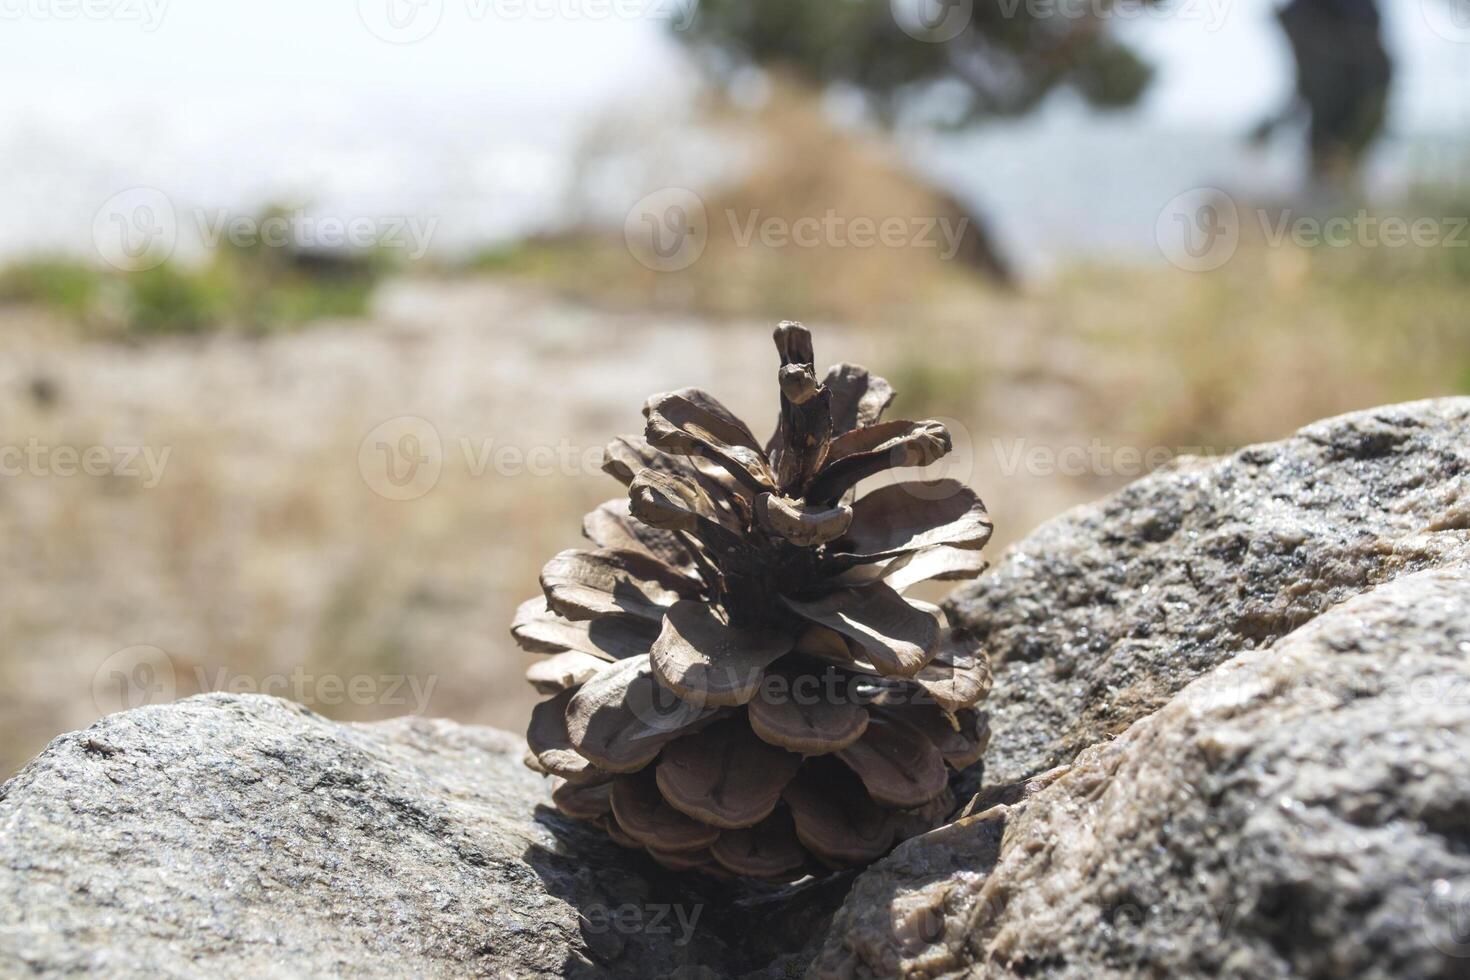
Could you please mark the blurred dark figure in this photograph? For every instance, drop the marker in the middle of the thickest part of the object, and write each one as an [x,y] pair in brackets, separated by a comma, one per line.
[1342,79]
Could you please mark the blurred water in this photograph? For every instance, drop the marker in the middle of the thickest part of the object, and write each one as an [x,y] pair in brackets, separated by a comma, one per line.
[1072,186]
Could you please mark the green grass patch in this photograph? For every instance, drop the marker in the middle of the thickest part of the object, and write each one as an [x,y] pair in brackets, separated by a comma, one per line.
[247,290]
[56,283]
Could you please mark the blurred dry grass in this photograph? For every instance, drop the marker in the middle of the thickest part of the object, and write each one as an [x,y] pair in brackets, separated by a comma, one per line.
[264,548]
[790,163]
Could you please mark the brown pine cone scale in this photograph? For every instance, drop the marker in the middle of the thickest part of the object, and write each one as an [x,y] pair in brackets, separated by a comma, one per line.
[735,681]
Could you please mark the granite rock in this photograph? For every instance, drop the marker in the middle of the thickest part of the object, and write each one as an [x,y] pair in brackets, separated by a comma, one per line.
[1300,811]
[1100,616]
[245,836]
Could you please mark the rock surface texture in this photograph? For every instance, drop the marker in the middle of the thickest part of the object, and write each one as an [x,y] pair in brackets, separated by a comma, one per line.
[1101,615]
[1231,719]
[246,836]
[1302,811]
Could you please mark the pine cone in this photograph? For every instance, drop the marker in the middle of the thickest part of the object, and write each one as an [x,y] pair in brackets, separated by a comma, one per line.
[736,683]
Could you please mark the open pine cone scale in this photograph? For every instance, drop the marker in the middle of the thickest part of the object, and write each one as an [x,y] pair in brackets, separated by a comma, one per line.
[735,681]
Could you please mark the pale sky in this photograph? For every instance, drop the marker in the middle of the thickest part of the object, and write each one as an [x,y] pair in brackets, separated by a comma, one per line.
[229,102]
[1218,59]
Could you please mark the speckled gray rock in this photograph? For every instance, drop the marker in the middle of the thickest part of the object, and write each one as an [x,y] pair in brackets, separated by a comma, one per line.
[1101,615]
[246,836]
[1302,811]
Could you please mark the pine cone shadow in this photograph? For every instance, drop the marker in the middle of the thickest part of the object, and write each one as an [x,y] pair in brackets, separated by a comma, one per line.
[637,919]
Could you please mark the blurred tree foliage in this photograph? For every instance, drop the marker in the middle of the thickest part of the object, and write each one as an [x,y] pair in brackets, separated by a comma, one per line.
[950,62]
